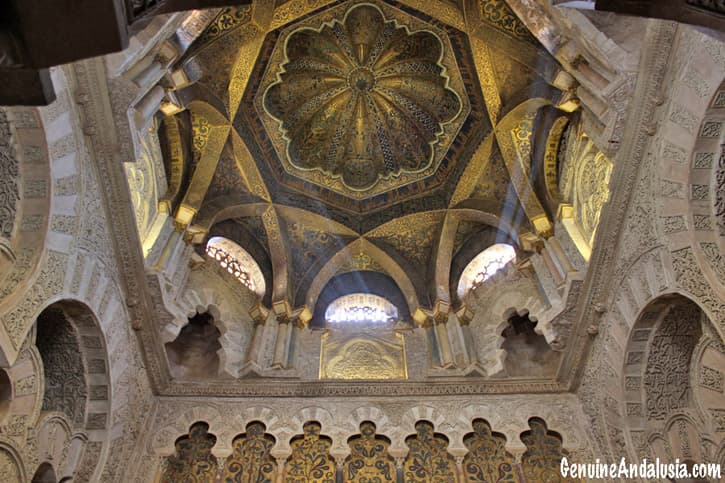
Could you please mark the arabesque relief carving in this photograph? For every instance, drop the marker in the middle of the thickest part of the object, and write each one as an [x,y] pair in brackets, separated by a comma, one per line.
[65,383]
[667,378]
[9,194]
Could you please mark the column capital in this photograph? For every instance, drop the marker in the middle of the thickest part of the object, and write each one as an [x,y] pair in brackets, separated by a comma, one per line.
[259,314]
[284,314]
[465,314]
[441,311]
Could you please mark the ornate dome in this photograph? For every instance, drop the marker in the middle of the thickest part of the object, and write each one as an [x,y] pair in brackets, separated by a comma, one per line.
[363,98]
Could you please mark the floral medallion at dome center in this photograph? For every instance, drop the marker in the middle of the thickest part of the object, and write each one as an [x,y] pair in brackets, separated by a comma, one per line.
[363,99]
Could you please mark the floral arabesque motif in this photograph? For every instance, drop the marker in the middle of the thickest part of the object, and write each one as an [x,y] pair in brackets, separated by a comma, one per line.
[310,461]
[369,459]
[251,461]
[428,459]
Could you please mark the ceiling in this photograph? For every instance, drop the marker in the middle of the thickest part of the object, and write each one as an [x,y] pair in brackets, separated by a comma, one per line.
[399,132]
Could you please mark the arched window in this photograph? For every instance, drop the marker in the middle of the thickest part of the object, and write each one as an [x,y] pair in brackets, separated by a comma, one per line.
[484,265]
[237,261]
[362,308]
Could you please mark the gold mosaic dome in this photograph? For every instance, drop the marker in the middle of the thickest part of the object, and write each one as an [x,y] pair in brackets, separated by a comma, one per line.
[363,98]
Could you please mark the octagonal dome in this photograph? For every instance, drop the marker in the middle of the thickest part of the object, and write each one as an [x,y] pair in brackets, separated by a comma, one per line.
[362,99]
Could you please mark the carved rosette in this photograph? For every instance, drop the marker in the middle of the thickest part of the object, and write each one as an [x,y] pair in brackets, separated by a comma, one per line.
[362,99]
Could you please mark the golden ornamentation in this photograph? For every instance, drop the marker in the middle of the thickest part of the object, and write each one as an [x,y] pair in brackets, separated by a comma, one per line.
[209,144]
[591,192]
[143,181]
[428,460]
[521,134]
[294,9]
[369,460]
[193,461]
[248,168]
[175,162]
[251,461]
[500,15]
[312,246]
[252,38]
[487,77]
[361,261]
[584,182]
[494,183]
[541,460]
[356,263]
[365,357]
[473,175]
[201,129]
[310,461]
[364,103]
[227,20]
[441,10]
[512,137]
[551,157]
[487,459]
[412,236]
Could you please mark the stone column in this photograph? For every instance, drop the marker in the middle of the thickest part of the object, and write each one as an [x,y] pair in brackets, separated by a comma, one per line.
[281,343]
[400,467]
[553,244]
[259,316]
[339,459]
[460,469]
[280,468]
[146,108]
[295,331]
[165,258]
[465,316]
[551,264]
[440,324]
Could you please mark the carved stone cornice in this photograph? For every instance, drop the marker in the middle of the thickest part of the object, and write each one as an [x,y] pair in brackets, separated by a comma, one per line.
[290,388]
